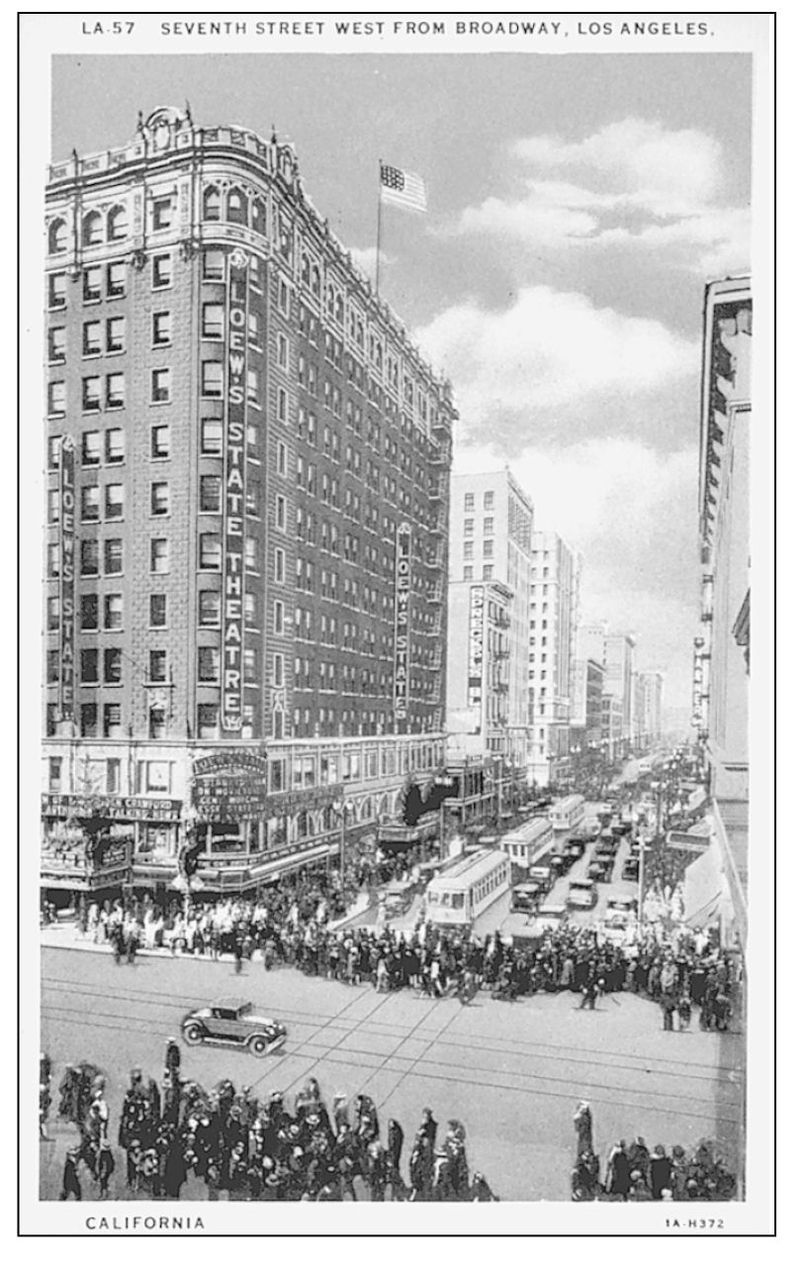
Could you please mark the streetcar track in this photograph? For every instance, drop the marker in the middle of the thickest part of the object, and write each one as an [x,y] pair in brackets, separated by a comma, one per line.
[546,1050]
[413,1061]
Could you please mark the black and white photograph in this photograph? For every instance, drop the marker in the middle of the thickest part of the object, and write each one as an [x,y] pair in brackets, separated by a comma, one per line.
[392,394]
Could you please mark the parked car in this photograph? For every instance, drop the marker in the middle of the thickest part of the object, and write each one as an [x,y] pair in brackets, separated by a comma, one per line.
[550,915]
[525,898]
[233,1023]
[631,869]
[582,895]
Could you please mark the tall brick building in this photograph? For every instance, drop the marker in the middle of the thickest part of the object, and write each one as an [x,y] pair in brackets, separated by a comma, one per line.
[248,481]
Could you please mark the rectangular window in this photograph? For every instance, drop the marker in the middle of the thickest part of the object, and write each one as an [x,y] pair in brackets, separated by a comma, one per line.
[253,387]
[115,390]
[250,552]
[213,265]
[279,617]
[113,775]
[279,565]
[113,556]
[88,612]
[113,508]
[54,452]
[207,722]
[161,385]
[282,405]
[489,525]
[91,448]
[489,500]
[53,612]
[158,665]
[209,493]
[53,665]
[57,290]
[57,398]
[90,503]
[487,573]
[212,379]
[160,556]
[468,573]
[208,665]
[161,214]
[468,551]
[249,665]
[112,665]
[279,669]
[209,608]
[112,612]
[92,284]
[212,436]
[281,512]
[160,499]
[89,720]
[91,338]
[90,558]
[160,442]
[282,352]
[112,722]
[115,280]
[489,547]
[115,334]
[162,271]
[250,608]
[54,774]
[158,610]
[284,298]
[115,446]
[57,345]
[91,394]
[161,328]
[469,526]
[209,551]
[212,320]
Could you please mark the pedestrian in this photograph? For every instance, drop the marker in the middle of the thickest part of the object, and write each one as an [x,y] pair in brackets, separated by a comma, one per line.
[104,1168]
[668,1004]
[238,952]
[618,1172]
[583,1121]
[589,994]
[70,1181]
[173,1057]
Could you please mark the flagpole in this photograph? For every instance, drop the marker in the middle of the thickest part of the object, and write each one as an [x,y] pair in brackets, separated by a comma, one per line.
[379,221]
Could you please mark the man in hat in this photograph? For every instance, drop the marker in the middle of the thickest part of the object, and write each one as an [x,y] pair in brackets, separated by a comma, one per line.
[583,1121]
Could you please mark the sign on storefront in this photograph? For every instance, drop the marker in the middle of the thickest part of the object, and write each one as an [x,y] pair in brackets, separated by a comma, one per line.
[68,805]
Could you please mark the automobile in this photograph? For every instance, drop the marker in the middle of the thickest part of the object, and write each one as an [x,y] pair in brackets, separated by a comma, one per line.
[233,1023]
[621,829]
[582,895]
[606,847]
[575,848]
[542,875]
[550,915]
[560,863]
[631,869]
[525,898]
[620,921]
[600,869]
[621,906]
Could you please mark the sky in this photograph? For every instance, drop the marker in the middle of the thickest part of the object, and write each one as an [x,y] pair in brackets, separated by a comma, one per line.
[577,205]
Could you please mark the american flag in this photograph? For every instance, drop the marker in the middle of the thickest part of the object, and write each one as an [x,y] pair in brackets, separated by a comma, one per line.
[402,188]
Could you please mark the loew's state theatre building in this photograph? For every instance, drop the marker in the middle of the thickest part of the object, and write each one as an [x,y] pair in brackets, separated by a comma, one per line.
[248,480]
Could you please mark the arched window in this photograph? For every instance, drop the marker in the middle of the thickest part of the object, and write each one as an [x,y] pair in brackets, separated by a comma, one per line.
[328,821]
[212,202]
[339,309]
[92,229]
[117,224]
[302,825]
[236,206]
[315,281]
[57,237]
[366,811]
[259,215]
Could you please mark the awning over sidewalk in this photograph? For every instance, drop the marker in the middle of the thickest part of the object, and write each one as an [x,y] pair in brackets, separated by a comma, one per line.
[704,888]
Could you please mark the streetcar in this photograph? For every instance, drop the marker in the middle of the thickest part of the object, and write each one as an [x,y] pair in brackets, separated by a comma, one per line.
[460,893]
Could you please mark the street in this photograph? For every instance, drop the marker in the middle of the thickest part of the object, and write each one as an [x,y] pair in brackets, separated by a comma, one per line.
[513,1073]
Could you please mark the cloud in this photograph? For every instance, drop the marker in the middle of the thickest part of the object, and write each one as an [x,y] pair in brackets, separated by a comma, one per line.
[554,365]
[366,260]
[634,184]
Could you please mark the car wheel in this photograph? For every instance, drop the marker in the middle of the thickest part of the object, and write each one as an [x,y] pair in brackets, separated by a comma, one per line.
[192,1034]
[258,1046]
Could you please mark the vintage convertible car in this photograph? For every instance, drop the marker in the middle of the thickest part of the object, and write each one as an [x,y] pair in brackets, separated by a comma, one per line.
[233,1023]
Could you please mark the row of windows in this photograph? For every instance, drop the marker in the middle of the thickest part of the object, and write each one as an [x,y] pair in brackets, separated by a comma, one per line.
[489,501]
[489,525]
[109,281]
[97,227]
[487,573]
[489,549]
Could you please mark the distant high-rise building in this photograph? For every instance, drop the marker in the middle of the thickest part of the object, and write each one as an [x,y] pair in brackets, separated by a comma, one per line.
[487,656]
[619,669]
[554,616]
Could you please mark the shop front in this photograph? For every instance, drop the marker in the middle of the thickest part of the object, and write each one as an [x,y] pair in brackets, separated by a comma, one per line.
[93,844]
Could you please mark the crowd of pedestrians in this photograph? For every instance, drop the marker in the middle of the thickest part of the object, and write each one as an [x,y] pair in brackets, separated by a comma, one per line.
[181,1140]
[633,1173]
